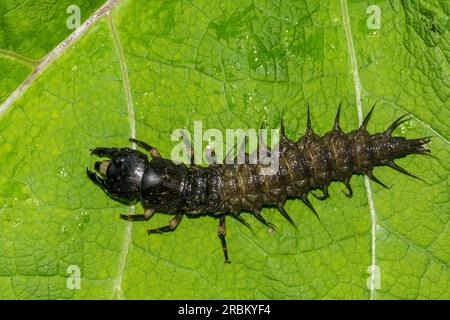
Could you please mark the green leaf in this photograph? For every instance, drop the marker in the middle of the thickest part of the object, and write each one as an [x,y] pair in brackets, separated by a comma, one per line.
[161,65]
[29,30]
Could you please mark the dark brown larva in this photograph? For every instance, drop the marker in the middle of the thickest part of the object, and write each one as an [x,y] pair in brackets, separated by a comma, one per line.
[310,163]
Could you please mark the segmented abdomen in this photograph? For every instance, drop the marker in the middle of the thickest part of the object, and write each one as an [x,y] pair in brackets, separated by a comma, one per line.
[310,163]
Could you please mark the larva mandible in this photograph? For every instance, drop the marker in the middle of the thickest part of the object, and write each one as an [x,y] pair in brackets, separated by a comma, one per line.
[310,163]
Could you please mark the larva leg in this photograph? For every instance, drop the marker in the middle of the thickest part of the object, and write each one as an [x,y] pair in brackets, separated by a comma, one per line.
[148,213]
[170,227]
[152,150]
[222,232]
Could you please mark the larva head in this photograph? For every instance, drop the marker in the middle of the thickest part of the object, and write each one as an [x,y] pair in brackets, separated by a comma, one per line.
[120,176]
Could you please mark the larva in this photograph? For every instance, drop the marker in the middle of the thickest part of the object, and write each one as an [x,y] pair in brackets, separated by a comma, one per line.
[223,190]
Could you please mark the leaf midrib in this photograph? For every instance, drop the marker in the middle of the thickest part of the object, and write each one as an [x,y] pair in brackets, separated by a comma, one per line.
[358,95]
